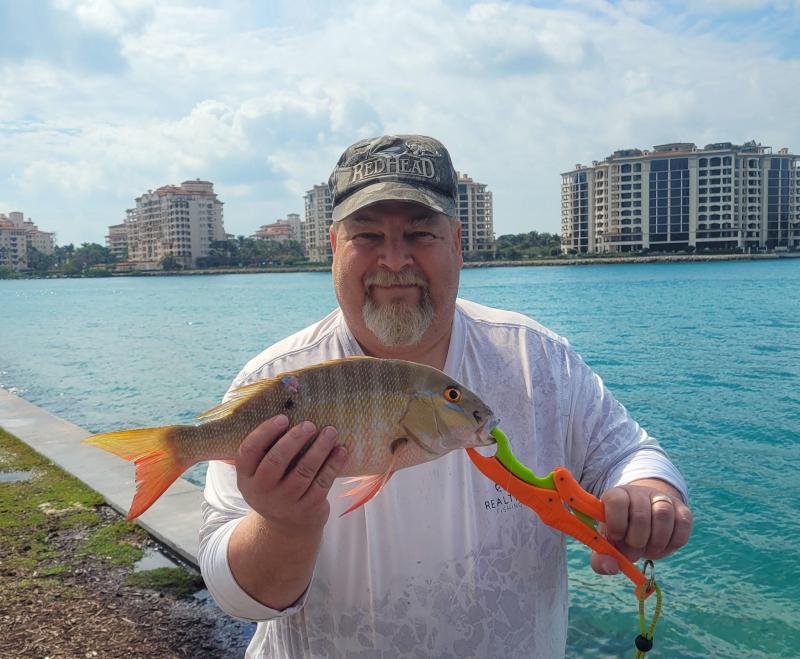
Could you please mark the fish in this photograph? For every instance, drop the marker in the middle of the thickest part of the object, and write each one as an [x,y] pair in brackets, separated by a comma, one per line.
[390,414]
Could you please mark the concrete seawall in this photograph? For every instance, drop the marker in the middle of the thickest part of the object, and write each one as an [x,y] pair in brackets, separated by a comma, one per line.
[173,520]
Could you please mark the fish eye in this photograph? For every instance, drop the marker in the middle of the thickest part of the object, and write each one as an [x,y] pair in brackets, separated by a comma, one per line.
[452,394]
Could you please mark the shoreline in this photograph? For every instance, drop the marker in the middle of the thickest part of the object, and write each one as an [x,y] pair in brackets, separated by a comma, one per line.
[543,262]
[540,262]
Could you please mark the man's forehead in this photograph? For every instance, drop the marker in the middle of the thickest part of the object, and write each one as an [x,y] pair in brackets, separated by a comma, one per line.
[377,213]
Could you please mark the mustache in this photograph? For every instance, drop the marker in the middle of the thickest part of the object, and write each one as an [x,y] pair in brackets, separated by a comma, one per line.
[398,278]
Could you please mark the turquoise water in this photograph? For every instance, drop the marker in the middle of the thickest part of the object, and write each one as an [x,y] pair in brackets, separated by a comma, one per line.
[705,355]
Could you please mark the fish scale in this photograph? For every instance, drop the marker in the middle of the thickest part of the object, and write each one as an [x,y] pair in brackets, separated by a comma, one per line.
[389,414]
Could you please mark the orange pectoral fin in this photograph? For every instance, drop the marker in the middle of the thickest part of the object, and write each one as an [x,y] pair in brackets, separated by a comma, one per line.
[368,487]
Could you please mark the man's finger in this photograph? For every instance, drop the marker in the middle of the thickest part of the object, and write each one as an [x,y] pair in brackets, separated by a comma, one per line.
[682,529]
[616,502]
[639,518]
[298,480]
[321,485]
[662,524]
[252,450]
[277,460]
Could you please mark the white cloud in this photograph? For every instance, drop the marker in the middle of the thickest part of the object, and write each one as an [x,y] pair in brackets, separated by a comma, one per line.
[240,191]
[745,5]
[113,16]
[518,93]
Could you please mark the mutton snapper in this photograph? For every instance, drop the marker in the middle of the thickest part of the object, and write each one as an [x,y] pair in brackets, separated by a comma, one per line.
[389,414]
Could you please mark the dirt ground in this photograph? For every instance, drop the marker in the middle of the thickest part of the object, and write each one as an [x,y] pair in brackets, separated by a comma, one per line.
[69,588]
[89,610]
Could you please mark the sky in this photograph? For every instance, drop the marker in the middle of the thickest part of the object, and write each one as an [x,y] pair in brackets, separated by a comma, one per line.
[102,100]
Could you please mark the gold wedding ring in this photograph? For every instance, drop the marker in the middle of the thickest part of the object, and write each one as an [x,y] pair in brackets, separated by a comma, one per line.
[660,497]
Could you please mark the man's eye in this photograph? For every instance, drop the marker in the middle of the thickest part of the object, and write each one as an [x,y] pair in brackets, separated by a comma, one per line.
[421,234]
[366,236]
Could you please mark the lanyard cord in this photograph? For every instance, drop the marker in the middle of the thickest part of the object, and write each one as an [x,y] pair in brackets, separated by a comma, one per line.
[644,642]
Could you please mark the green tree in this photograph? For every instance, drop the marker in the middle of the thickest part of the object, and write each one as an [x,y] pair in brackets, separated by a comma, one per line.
[251,252]
[527,245]
[170,262]
[40,263]
[71,261]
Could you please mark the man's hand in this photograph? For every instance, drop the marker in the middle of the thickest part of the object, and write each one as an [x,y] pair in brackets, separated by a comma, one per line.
[296,499]
[646,518]
[273,549]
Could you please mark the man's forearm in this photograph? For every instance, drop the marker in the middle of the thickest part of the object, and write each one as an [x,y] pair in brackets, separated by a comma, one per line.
[273,567]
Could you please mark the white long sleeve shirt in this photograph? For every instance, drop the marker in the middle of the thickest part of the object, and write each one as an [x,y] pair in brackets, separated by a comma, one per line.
[442,563]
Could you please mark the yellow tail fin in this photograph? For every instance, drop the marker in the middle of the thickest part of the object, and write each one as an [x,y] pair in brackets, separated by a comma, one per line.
[153,453]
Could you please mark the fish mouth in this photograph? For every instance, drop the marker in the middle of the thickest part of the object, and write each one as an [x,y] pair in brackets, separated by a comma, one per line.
[483,432]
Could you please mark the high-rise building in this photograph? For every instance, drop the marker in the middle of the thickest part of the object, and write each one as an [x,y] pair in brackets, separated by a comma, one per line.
[281,230]
[180,221]
[18,236]
[117,240]
[319,210]
[474,211]
[678,196]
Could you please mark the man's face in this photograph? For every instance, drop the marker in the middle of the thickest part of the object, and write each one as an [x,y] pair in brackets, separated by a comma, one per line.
[395,272]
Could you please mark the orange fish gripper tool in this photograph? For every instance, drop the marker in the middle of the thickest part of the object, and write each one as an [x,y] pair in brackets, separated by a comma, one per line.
[561,503]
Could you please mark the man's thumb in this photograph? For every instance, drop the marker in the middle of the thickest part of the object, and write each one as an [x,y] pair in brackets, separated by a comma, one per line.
[604,564]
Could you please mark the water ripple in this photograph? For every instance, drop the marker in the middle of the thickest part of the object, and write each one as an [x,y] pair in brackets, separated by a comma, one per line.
[704,355]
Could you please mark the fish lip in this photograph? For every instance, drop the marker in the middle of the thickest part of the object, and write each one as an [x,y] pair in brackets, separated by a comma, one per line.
[483,431]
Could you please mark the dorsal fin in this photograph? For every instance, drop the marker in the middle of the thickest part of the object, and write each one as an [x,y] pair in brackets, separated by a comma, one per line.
[239,395]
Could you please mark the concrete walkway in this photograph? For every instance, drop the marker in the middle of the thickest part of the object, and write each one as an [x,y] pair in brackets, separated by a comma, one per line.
[174,519]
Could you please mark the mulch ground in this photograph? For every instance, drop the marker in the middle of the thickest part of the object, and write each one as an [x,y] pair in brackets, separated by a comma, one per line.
[90,611]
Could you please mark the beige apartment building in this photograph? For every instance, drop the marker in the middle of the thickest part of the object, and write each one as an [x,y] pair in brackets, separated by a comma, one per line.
[117,241]
[678,196]
[319,211]
[182,221]
[474,210]
[281,230]
[17,236]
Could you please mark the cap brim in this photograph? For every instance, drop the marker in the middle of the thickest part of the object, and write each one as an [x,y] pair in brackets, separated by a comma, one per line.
[393,192]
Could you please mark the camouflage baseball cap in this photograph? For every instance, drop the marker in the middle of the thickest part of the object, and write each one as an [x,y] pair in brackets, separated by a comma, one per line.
[399,167]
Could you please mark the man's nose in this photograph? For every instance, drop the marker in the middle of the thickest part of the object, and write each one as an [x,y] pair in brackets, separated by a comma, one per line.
[395,254]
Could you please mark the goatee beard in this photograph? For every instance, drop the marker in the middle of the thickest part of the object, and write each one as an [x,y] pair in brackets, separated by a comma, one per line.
[398,323]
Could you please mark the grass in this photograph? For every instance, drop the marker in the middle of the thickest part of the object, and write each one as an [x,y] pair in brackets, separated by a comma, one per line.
[119,543]
[177,581]
[39,513]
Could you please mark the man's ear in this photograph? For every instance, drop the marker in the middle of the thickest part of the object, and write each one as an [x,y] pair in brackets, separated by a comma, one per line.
[457,238]
[332,236]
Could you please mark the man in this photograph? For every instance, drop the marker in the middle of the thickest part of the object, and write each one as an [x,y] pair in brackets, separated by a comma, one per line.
[440,563]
